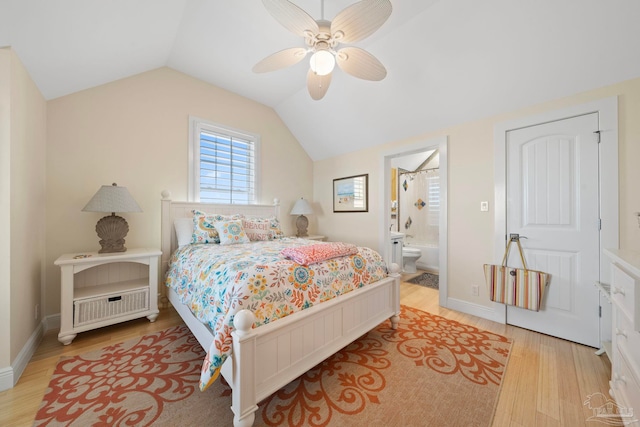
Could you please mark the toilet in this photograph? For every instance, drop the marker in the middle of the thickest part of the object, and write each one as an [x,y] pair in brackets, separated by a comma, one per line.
[409,257]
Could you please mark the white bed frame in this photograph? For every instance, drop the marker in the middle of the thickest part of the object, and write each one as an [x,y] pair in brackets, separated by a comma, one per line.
[265,359]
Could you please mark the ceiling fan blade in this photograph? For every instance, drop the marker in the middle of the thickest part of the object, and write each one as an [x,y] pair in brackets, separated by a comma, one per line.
[360,63]
[291,17]
[282,59]
[360,20]
[317,85]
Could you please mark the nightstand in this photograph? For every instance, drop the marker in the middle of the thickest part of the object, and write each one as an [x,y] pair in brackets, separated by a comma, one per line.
[103,289]
[314,237]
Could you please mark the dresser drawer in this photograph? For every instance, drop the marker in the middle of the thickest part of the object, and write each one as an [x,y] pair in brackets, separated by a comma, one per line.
[627,340]
[623,294]
[626,391]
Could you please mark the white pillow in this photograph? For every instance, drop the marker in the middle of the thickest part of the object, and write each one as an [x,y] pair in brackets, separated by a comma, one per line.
[184,230]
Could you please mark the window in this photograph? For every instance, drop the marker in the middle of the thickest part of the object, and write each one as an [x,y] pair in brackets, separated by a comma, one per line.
[222,164]
[433,181]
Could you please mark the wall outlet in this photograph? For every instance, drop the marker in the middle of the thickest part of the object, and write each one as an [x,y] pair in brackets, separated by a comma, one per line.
[475,290]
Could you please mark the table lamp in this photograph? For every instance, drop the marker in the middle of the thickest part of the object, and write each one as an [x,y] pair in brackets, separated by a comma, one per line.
[112,229]
[302,208]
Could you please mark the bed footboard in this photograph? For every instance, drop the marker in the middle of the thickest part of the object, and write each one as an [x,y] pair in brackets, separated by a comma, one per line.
[267,358]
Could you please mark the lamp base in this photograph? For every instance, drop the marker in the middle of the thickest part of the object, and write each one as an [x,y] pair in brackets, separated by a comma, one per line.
[301,224]
[112,231]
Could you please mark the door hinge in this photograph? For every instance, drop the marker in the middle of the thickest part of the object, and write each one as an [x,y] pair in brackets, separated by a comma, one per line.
[600,311]
[599,223]
[598,133]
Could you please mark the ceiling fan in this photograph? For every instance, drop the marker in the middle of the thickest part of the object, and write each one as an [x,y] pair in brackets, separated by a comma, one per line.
[323,38]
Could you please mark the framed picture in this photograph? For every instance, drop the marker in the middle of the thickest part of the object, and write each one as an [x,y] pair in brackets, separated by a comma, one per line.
[351,194]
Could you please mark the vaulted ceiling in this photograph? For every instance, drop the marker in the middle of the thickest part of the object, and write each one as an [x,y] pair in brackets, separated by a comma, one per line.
[448,61]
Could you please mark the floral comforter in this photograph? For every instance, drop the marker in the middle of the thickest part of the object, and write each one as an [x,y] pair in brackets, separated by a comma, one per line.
[218,281]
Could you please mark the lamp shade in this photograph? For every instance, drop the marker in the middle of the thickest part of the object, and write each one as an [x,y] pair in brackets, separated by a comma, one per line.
[111,198]
[302,207]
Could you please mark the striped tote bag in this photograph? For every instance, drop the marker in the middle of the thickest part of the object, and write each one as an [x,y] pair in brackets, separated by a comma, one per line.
[519,287]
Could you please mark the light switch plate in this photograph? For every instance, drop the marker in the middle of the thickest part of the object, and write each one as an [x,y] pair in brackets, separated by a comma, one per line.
[484,206]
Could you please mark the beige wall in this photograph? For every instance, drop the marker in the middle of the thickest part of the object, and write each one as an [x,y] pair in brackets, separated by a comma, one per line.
[135,132]
[28,152]
[5,226]
[471,151]
[360,228]
[22,195]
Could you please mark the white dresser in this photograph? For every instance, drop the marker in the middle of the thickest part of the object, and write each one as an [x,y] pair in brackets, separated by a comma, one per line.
[625,361]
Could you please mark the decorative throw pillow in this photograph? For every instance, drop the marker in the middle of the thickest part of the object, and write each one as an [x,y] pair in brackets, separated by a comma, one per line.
[257,228]
[231,232]
[276,232]
[204,230]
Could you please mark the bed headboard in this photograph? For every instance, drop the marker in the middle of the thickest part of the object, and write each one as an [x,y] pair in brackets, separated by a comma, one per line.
[171,210]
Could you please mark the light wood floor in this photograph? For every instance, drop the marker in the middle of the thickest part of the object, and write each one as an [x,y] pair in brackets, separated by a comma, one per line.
[546,382]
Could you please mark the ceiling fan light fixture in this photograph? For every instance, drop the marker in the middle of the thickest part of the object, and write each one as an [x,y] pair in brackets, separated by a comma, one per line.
[322,62]
[323,39]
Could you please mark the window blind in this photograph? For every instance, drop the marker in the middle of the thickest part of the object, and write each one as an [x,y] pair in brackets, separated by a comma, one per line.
[434,199]
[227,168]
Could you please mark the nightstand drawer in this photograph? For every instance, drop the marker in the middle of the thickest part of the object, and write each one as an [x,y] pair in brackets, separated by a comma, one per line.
[98,309]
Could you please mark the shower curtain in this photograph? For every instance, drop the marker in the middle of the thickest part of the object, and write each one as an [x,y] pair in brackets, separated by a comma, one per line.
[419,205]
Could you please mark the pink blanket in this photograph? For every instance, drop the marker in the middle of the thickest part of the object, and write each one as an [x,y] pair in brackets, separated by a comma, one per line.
[311,254]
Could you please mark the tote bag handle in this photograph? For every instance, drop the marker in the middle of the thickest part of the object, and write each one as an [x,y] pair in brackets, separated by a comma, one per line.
[506,253]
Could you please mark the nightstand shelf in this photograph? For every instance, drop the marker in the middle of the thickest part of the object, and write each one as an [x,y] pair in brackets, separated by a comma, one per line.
[103,289]
[110,288]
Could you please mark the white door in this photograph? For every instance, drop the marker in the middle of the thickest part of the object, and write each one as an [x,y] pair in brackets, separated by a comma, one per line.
[552,200]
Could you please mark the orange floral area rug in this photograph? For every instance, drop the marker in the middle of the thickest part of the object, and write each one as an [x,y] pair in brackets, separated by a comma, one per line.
[430,371]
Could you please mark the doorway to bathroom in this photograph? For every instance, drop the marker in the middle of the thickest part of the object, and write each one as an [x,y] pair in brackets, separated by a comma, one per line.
[415,210]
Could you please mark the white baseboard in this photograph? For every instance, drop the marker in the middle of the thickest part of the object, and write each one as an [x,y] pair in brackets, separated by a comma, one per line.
[497,314]
[6,378]
[9,376]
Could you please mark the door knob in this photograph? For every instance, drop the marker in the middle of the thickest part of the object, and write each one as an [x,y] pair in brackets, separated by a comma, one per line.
[514,237]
